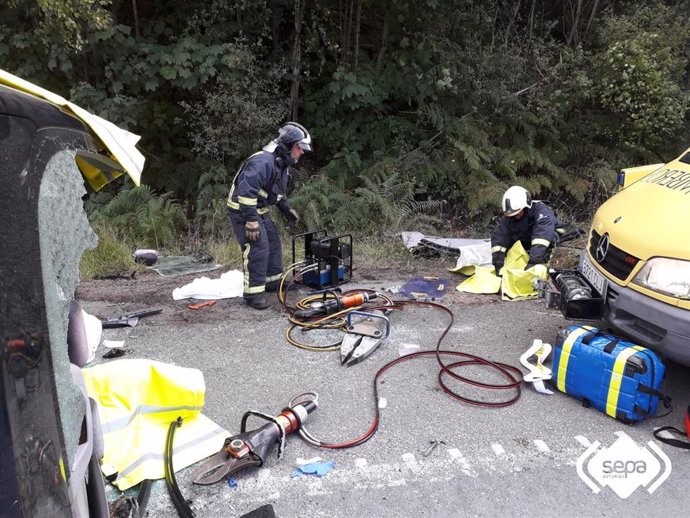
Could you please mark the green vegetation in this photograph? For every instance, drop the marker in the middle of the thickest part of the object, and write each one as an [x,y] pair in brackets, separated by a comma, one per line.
[422,112]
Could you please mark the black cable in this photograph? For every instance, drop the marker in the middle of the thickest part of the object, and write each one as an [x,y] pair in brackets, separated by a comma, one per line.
[179,502]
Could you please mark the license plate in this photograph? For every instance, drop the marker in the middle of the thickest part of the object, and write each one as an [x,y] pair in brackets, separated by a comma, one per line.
[595,278]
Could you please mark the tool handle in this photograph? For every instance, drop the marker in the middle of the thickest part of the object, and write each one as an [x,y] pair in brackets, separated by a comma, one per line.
[144,312]
[355,299]
[135,314]
[310,312]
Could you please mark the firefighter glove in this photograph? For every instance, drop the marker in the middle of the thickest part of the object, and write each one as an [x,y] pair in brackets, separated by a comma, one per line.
[292,216]
[497,260]
[252,230]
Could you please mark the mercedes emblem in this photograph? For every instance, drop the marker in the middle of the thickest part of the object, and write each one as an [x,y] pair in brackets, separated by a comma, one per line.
[602,248]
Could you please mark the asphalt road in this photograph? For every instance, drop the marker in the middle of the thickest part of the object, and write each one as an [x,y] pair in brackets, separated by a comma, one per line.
[515,461]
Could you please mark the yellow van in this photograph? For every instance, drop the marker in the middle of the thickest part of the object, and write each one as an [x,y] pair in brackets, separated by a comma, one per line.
[638,257]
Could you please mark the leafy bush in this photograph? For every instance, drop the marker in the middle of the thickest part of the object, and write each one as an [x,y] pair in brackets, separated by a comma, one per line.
[639,77]
[240,111]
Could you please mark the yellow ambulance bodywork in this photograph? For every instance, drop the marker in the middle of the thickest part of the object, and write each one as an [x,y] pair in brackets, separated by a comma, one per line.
[638,256]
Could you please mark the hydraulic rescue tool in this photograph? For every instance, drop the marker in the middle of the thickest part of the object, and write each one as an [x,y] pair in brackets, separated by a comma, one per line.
[363,335]
[250,448]
[328,306]
[130,319]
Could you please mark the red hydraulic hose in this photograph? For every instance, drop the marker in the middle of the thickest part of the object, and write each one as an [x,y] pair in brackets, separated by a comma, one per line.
[510,373]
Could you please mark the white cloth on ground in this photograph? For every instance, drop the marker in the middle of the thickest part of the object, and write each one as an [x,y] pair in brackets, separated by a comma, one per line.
[230,284]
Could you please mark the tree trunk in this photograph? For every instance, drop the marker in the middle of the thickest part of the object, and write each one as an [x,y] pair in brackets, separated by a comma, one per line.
[275,29]
[511,24]
[296,58]
[135,13]
[531,19]
[358,19]
[384,37]
[572,40]
[347,30]
[592,15]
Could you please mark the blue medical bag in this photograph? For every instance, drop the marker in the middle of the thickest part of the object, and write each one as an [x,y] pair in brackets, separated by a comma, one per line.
[608,373]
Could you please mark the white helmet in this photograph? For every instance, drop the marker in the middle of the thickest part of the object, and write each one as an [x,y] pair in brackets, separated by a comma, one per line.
[515,199]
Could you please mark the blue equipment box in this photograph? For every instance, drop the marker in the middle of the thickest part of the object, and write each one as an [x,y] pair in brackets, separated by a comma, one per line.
[322,278]
[613,375]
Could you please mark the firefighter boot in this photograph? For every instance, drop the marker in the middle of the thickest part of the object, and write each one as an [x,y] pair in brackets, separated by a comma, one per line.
[274,285]
[257,301]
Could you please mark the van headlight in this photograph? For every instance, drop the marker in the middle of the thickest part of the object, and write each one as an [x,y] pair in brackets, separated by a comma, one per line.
[667,276]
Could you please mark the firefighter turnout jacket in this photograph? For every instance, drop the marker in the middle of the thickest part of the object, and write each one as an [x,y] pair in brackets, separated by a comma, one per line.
[537,230]
[261,182]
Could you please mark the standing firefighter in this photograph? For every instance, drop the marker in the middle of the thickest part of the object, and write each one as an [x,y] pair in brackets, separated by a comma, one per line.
[261,182]
[533,223]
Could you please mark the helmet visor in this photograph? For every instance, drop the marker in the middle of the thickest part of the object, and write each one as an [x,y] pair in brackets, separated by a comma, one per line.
[511,213]
[304,145]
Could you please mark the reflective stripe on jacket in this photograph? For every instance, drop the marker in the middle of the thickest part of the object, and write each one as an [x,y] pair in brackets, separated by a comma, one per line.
[260,182]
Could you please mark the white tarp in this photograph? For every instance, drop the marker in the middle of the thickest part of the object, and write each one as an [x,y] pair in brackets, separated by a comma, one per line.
[470,251]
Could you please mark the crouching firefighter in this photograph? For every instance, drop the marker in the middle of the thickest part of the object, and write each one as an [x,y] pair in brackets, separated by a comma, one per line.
[531,222]
[260,182]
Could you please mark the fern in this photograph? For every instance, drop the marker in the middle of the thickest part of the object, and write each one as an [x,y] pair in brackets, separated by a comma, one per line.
[383,204]
[140,217]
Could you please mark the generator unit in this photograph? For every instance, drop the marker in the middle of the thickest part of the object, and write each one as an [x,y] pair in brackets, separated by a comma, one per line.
[329,256]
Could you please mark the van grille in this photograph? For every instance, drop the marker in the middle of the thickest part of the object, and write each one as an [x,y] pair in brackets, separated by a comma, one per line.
[617,262]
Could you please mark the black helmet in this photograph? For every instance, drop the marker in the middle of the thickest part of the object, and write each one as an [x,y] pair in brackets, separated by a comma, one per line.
[293,133]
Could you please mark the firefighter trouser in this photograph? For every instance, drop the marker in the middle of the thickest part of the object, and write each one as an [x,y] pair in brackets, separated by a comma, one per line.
[262,260]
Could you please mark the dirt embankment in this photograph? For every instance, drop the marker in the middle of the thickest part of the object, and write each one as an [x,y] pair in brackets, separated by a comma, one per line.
[139,290]
[117,296]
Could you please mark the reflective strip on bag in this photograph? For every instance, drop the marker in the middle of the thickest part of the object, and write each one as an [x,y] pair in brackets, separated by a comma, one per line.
[124,421]
[617,378]
[565,354]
